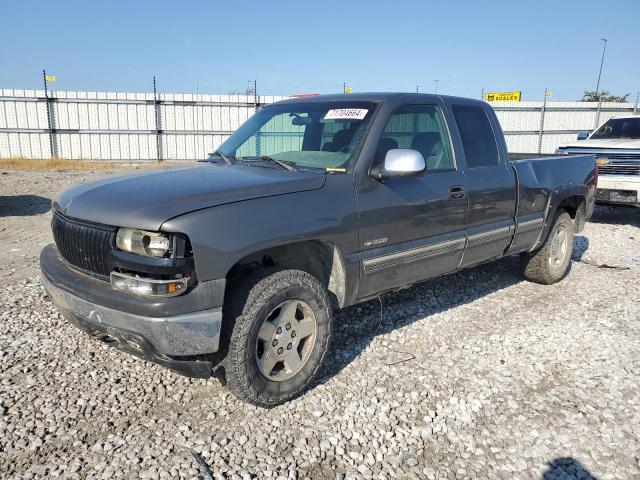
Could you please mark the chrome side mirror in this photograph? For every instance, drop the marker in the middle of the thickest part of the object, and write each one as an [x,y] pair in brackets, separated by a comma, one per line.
[583,136]
[400,162]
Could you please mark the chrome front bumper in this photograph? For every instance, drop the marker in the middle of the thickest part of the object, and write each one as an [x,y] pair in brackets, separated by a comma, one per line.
[619,189]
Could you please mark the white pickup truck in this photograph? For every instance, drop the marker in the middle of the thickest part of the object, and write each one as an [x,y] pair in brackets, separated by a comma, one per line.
[616,145]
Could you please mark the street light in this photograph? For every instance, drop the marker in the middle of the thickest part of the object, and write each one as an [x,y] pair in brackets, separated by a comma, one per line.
[604,49]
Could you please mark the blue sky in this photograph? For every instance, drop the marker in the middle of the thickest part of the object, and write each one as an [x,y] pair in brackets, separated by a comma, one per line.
[296,46]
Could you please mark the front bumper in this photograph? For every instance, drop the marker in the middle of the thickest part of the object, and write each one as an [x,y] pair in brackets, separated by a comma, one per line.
[160,337]
[618,189]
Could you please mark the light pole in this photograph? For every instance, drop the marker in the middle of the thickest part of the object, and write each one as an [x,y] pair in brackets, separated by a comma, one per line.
[604,49]
[436,90]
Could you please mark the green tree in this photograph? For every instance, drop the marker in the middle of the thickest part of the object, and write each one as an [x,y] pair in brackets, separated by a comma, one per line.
[591,96]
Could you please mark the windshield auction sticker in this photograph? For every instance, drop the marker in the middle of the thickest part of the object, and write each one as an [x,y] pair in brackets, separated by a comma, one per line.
[346,114]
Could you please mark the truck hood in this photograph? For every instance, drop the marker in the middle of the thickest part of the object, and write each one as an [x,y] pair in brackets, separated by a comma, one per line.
[632,143]
[147,200]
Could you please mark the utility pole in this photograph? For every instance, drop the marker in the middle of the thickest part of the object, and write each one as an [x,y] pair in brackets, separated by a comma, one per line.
[436,89]
[417,88]
[635,107]
[598,95]
[344,87]
[482,94]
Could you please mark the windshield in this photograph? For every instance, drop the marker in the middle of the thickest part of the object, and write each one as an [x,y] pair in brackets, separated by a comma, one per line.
[312,135]
[619,128]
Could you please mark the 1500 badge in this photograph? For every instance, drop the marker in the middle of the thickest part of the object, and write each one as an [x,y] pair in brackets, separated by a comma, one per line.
[376,241]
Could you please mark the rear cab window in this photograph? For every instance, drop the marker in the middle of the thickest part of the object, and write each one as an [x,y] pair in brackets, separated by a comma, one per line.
[477,136]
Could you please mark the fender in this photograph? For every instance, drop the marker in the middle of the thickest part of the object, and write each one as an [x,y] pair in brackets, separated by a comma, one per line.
[221,236]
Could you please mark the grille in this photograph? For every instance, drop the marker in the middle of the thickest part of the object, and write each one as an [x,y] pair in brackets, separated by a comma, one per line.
[85,246]
[620,168]
[622,156]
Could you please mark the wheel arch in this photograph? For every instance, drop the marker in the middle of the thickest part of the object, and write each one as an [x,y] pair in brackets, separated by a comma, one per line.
[569,198]
[319,258]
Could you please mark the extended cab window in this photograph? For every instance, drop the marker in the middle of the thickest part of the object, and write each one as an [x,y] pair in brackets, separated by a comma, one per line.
[478,141]
[422,128]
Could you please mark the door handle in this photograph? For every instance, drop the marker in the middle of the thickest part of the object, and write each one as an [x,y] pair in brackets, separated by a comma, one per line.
[456,192]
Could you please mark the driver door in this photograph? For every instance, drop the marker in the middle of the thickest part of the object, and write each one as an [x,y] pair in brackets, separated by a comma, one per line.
[412,228]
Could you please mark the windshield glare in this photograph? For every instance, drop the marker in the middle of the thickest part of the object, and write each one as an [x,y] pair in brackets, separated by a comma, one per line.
[619,128]
[314,135]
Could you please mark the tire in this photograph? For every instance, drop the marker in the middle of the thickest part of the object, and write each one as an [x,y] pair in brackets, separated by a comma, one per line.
[276,311]
[550,263]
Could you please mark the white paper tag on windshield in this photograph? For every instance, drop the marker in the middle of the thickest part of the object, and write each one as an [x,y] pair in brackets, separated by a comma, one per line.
[346,114]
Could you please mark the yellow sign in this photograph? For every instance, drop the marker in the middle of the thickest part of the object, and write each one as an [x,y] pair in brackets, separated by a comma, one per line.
[548,94]
[348,90]
[50,78]
[502,97]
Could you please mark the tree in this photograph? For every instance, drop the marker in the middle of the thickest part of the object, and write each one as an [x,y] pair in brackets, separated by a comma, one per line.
[591,96]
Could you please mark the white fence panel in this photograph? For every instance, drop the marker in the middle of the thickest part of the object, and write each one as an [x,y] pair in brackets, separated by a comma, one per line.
[122,126]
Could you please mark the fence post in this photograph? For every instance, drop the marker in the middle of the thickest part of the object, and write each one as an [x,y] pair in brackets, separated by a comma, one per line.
[156,107]
[256,100]
[598,112]
[52,143]
[256,107]
[542,111]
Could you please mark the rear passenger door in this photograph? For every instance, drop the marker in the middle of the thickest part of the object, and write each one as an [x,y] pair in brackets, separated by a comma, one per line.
[412,228]
[490,183]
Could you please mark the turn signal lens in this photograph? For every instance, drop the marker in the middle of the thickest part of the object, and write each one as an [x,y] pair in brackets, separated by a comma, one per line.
[150,244]
[148,286]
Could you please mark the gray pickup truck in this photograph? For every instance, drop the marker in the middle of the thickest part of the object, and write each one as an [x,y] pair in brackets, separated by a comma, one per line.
[233,267]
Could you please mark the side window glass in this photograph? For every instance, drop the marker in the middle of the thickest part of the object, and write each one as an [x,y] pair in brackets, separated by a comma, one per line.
[478,140]
[422,128]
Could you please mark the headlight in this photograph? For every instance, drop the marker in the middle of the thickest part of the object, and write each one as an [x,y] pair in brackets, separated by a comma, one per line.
[151,244]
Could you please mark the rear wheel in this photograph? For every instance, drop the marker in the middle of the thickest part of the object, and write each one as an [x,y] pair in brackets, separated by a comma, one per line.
[280,337]
[550,263]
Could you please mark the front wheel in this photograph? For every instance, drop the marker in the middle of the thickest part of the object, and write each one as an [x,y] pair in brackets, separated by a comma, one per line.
[280,338]
[550,263]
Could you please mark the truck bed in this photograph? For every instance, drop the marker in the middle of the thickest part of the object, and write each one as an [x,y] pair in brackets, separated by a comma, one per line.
[542,183]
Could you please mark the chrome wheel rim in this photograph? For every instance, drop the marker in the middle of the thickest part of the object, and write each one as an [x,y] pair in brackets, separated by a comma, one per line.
[559,246]
[285,340]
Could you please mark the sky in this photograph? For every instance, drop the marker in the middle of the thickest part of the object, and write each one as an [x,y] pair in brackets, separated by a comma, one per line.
[292,47]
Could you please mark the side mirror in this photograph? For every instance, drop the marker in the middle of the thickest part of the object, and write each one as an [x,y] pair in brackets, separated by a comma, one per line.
[583,136]
[400,162]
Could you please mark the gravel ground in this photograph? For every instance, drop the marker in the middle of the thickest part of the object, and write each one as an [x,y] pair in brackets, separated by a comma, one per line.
[476,375]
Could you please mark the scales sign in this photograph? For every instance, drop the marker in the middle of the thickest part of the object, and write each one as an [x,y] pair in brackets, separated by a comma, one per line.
[502,96]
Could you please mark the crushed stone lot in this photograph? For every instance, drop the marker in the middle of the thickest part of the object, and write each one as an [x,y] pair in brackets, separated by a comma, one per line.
[479,374]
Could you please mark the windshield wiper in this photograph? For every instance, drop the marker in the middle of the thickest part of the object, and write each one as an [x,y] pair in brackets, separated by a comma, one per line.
[284,165]
[227,160]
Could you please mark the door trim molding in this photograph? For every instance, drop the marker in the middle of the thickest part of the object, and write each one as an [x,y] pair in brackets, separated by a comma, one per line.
[489,236]
[530,225]
[376,264]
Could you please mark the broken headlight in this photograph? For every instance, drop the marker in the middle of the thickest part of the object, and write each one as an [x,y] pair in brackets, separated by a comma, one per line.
[141,242]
